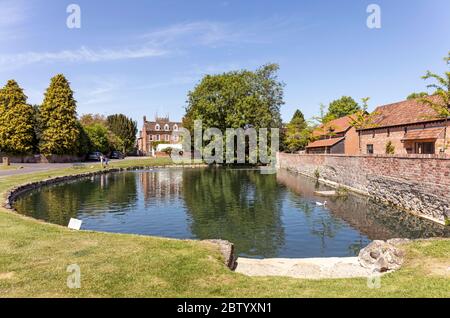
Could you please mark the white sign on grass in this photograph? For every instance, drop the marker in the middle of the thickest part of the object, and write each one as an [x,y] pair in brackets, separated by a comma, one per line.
[74,224]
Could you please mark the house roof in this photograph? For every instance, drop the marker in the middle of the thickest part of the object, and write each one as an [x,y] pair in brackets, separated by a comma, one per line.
[403,113]
[339,125]
[422,134]
[324,143]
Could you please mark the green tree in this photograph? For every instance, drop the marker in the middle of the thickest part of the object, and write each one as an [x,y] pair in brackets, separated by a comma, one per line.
[416,95]
[362,118]
[342,107]
[321,121]
[98,137]
[442,105]
[60,130]
[298,133]
[16,120]
[125,129]
[237,99]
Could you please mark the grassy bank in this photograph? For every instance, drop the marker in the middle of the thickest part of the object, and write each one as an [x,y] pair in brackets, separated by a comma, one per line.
[4,168]
[34,257]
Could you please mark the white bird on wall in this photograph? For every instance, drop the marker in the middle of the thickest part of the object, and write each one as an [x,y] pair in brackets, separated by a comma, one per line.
[321,204]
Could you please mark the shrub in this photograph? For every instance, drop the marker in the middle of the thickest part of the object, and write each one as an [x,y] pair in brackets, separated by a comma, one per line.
[317,173]
[390,148]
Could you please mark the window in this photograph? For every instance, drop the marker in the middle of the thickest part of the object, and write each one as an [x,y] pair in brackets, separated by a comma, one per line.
[151,137]
[167,137]
[388,132]
[166,127]
[424,147]
[370,149]
[175,127]
[157,137]
[157,127]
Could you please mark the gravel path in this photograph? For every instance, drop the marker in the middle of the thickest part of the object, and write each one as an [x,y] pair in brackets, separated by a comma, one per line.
[307,268]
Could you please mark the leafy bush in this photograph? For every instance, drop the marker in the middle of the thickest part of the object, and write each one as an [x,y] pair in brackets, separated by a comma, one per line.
[390,148]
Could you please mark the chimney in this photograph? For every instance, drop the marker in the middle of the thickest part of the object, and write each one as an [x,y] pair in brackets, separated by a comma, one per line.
[145,119]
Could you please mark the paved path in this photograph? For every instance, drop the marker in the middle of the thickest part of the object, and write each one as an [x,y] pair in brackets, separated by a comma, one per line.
[33,167]
[307,268]
[36,167]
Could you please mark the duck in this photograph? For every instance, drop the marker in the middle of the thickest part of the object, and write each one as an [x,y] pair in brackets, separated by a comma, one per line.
[321,204]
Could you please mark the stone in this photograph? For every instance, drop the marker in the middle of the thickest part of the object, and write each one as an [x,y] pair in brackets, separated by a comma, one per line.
[227,250]
[381,256]
[326,193]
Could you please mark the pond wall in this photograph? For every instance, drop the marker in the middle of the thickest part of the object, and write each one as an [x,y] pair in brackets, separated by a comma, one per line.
[416,183]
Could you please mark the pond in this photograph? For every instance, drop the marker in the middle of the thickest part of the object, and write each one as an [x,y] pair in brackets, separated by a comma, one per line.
[263,215]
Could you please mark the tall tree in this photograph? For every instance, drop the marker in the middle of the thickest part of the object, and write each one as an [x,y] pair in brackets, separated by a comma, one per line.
[344,106]
[16,120]
[442,105]
[125,129]
[98,137]
[58,116]
[297,133]
[237,99]
[321,121]
[362,119]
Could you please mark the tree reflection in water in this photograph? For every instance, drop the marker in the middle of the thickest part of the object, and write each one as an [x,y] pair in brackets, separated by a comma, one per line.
[237,205]
[263,215]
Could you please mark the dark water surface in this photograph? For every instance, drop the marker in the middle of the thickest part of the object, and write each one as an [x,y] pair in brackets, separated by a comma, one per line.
[263,215]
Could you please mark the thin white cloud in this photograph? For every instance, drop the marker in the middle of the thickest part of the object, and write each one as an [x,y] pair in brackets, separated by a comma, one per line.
[156,43]
[205,33]
[83,54]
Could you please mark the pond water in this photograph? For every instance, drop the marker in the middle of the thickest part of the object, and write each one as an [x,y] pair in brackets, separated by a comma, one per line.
[263,215]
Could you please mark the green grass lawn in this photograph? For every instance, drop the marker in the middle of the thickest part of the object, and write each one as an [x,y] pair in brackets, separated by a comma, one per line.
[34,257]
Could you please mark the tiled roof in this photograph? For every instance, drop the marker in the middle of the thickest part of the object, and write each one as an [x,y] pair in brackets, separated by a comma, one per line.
[336,126]
[422,134]
[324,143]
[403,113]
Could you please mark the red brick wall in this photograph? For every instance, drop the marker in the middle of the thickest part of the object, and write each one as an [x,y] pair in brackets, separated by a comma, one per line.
[380,136]
[419,183]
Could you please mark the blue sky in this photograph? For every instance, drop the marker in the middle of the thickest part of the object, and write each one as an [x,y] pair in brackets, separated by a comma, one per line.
[142,57]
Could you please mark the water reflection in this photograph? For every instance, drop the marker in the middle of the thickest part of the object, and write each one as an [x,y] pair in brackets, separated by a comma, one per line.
[263,215]
[236,205]
[375,220]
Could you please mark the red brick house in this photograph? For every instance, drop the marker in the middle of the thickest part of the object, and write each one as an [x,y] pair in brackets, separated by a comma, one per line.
[335,137]
[160,130]
[410,126]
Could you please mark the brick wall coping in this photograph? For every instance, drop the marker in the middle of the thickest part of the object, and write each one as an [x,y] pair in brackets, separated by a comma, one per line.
[404,156]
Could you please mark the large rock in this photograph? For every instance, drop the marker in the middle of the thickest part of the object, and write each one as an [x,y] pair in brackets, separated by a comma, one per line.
[381,256]
[227,250]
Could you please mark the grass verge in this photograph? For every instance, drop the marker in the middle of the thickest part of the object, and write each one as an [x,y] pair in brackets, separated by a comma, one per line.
[34,257]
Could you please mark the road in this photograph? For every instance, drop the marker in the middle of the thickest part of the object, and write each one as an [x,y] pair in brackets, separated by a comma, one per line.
[36,167]
[33,167]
